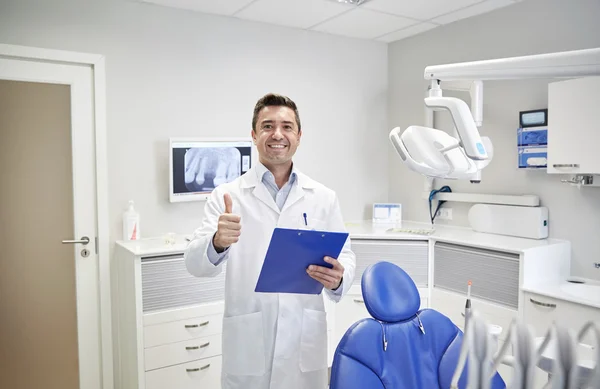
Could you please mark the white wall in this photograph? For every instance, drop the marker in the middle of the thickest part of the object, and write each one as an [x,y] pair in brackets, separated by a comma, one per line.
[174,73]
[530,27]
[177,73]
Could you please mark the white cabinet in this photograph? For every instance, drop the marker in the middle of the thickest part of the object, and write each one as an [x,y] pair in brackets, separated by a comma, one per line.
[573,128]
[411,255]
[452,305]
[541,311]
[348,311]
[495,279]
[495,283]
[205,373]
[169,322]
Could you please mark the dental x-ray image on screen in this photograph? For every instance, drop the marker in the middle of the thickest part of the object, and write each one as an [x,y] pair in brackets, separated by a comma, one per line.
[199,166]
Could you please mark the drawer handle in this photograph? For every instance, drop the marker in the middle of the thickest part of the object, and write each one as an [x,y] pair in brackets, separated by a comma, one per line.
[198,368]
[541,304]
[360,301]
[196,325]
[197,347]
[571,165]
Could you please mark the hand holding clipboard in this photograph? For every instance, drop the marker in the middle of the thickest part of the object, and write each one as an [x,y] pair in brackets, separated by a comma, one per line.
[330,277]
[290,254]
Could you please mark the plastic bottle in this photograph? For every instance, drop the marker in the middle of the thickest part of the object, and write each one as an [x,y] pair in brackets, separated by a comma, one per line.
[131,223]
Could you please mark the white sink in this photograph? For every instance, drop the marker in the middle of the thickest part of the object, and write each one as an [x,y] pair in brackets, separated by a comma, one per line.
[585,291]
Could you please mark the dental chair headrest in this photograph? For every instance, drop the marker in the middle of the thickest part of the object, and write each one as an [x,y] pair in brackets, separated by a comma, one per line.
[389,293]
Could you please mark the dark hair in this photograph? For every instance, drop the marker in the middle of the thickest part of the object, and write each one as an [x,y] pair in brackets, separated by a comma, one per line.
[272,99]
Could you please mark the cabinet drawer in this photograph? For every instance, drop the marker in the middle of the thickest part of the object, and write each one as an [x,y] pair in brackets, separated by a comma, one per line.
[182,330]
[183,313]
[452,305]
[204,373]
[176,353]
[541,311]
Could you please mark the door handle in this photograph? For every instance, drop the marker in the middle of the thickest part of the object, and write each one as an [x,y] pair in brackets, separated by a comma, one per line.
[84,240]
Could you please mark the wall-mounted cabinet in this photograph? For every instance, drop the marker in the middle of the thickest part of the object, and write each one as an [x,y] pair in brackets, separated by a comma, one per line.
[573,127]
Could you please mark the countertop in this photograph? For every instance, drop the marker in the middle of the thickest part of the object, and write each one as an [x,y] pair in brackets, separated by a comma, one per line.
[419,231]
[557,291]
[445,233]
[366,229]
[154,246]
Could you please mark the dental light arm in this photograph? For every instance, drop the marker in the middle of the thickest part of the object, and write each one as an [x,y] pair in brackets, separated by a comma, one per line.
[430,152]
[475,90]
[577,63]
[463,121]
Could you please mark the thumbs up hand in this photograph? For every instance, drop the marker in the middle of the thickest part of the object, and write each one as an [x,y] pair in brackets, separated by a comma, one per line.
[229,227]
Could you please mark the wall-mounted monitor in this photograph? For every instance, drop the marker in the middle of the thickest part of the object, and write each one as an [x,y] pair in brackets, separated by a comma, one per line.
[197,166]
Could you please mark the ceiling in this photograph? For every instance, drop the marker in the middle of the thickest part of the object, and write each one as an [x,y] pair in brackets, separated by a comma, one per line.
[380,20]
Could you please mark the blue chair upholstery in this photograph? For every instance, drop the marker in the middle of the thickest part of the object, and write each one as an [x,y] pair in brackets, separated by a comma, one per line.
[400,347]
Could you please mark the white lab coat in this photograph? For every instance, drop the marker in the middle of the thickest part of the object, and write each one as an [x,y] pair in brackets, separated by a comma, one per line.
[270,341]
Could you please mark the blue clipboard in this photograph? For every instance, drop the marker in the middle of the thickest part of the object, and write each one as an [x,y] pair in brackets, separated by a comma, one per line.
[290,253]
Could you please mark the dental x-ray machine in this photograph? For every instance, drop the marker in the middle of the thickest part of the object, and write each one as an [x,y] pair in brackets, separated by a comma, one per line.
[437,154]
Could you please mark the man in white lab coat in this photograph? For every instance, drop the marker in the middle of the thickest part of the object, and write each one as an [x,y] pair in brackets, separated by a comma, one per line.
[270,340]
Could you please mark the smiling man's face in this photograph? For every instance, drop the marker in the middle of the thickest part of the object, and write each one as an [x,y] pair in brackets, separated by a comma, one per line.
[276,135]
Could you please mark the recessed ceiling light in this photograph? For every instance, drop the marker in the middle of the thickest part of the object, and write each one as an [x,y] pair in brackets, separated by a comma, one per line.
[353,2]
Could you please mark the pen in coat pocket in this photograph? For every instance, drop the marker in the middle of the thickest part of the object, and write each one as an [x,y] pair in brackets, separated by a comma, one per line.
[305,221]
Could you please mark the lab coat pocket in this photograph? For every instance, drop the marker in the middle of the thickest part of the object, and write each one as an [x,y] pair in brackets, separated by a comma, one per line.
[317,224]
[313,344]
[243,345]
[312,224]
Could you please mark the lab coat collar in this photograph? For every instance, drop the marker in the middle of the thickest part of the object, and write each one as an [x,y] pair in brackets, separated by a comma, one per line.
[254,176]
[253,179]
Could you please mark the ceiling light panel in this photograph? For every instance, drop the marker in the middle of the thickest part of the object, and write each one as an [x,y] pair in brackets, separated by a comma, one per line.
[406,32]
[219,7]
[293,13]
[353,2]
[418,9]
[362,23]
[476,9]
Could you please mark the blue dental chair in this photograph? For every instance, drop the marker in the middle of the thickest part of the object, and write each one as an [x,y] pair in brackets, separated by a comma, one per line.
[400,347]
